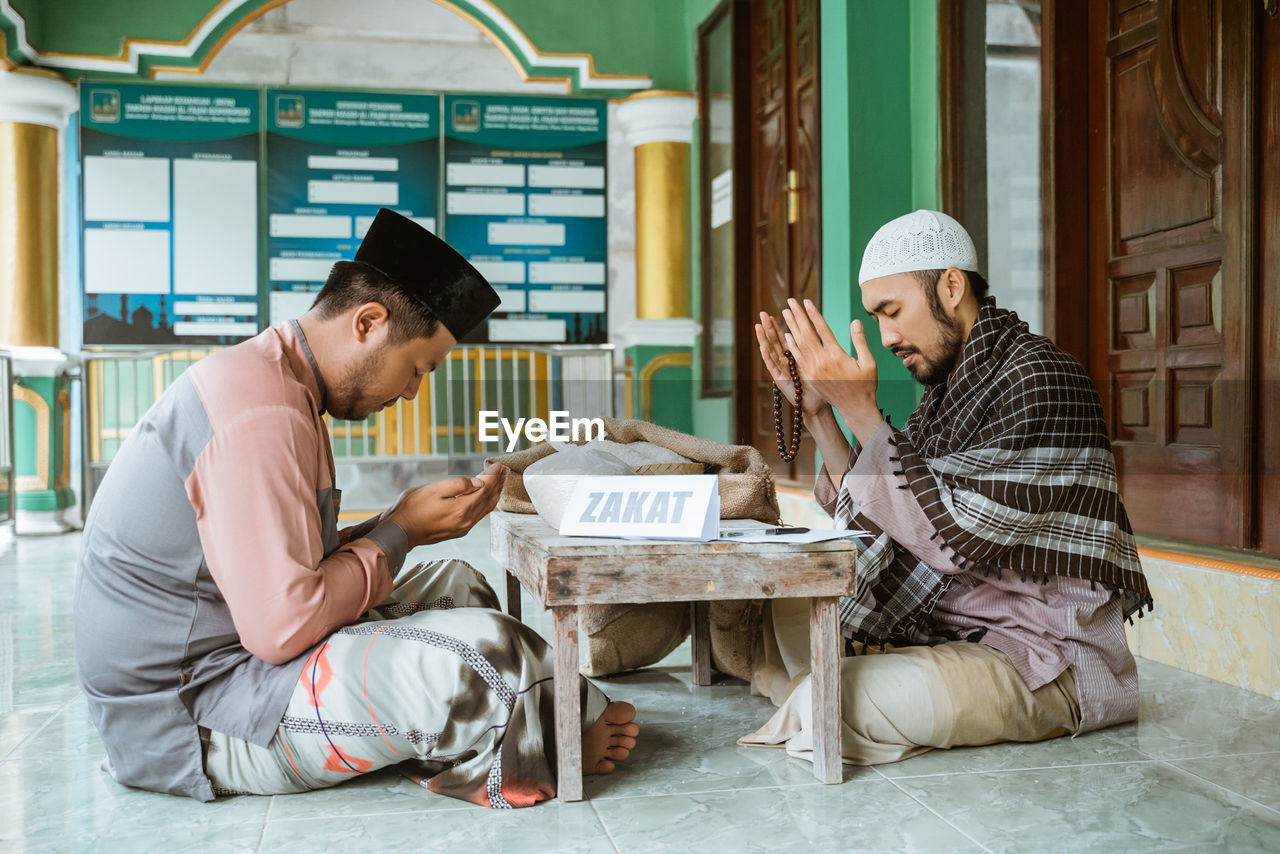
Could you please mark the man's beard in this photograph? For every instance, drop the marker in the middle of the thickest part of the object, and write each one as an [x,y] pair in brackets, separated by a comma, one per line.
[932,371]
[343,402]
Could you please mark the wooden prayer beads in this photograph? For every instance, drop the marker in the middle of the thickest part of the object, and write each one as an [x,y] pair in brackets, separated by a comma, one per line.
[788,453]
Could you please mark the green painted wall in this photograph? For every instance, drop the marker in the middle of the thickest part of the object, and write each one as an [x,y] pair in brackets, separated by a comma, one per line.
[926,109]
[624,37]
[99,26]
[629,37]
[880,129]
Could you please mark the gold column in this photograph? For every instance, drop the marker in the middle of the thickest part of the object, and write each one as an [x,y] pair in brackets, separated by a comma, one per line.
[28,235]
[662,231]
[660,127]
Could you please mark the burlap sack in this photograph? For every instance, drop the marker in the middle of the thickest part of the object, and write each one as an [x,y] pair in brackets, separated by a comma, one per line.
[625,637]
[745,481]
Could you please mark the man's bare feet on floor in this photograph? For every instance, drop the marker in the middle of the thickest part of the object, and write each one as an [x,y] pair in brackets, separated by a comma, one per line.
[610,739]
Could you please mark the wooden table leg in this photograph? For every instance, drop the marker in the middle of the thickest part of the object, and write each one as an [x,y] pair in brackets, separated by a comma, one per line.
[700,620]
[824,647]
[568,700]
[513,593]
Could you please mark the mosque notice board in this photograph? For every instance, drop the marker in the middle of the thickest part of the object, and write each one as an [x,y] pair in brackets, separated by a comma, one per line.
[524,188]
[169,188]
[171,191]
[333,159]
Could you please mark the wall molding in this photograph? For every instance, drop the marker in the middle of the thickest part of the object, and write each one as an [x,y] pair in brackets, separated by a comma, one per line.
[1209,563]
[143,57]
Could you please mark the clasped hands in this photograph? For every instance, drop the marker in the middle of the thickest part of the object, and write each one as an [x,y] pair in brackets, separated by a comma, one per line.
[830,376]
[447,509]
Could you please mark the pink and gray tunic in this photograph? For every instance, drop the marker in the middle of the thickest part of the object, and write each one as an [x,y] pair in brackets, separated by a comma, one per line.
[212,563]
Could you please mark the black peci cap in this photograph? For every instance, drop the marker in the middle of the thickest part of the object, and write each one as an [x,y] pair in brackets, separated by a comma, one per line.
[429,270]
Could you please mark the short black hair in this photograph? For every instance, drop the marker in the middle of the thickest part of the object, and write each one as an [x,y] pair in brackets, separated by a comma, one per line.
[928,279]
[352,283]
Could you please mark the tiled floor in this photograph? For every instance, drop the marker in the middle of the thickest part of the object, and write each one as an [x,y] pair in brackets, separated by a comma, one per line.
[1200,771]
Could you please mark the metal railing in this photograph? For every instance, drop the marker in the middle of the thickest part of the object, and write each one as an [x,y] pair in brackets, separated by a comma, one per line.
[440,425]
[8,477]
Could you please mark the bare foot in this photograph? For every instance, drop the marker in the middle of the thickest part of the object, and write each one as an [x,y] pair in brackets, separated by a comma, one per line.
[610,739]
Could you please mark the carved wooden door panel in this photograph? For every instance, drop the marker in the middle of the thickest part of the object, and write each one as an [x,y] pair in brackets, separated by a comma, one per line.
[785,197]
[1171,266]
[1268,237]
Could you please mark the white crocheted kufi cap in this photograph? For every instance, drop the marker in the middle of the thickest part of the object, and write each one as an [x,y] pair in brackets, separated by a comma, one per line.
[923,240]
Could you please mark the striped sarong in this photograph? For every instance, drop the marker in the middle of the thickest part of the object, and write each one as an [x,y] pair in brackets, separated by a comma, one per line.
[437,681]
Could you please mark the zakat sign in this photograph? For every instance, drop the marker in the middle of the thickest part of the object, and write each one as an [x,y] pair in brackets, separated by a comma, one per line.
[664,507]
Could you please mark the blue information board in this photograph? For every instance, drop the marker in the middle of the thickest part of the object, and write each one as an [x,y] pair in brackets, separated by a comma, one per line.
[333,159]
[185,240]
[169,237]
[525,181]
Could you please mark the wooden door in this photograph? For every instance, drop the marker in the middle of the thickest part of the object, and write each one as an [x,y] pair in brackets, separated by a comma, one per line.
[1268,242]
[1171,258]
[785,198]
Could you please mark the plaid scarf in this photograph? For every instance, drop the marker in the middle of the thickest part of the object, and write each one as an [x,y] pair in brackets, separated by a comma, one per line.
[1010,461]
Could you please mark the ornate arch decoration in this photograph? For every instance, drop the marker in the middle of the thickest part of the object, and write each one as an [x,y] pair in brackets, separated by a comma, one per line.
[1196,132]
[140,57]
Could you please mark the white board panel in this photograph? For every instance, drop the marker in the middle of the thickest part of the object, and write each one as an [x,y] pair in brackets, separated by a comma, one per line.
[484,174]
[237,328]
[580,302]
[126,261]
[548,330]
[486,204]
[512,300]
[532,234]
[215,227]
[126,189]
[286,305]
[577,177]
[308,225]
[300,269]
[501,272]
[186,308]
[385,193]
[357,164]
[567,273]
[542,204]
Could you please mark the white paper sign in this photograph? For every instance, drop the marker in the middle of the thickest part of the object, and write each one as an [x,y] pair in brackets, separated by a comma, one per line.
[666,507]
[722,198]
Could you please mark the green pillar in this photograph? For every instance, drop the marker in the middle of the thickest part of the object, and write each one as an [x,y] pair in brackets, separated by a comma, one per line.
[662,383]
[42,441]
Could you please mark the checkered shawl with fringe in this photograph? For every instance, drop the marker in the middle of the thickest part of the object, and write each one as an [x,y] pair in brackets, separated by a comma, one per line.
[1011,463]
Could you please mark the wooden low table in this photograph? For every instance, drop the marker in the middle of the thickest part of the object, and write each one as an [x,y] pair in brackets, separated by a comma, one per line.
[563,573]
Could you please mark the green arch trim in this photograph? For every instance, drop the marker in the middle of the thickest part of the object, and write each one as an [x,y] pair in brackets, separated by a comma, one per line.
[142,58]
